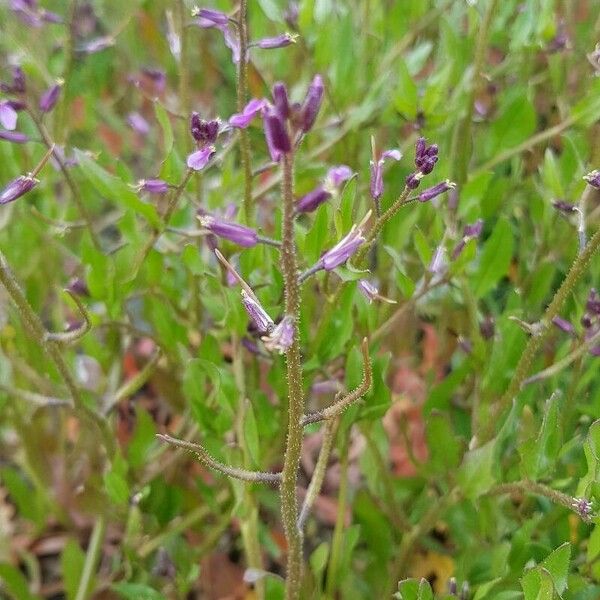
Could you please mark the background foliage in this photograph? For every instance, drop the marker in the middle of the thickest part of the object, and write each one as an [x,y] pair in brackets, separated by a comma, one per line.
[403,495]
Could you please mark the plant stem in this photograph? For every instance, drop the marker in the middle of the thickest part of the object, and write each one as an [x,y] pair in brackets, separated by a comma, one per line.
[184,74]
[289,498]
[535,342]
[242,95]
[92,557]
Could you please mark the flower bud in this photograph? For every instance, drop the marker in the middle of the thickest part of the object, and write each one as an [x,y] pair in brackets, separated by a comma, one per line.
[280,41]
[593,178]
[238,234]
[436,190]
[8,115]
[204,132]
[199,159]
[311,201]
[49,98]
[282,337]
[257,313]
[312,103]
[17,188]
[153,186]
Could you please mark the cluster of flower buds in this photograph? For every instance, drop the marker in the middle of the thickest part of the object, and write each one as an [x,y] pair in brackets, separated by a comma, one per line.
[333,180]
[209,18]
[583,507]
[283,121]
[590,322]
[425,158]
[593,178]
[31,14]
[205,134]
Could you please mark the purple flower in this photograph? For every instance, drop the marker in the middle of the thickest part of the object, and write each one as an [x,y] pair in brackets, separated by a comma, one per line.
[138,123]
[368,290]
[281,100]
[564,325]
[207,17]
[17,85]
[251,110]
[257,313]
[593,178]
[280,41]
[199,159]
[238,234]
[312,103]
[49,98]
[282,337]
[278,140]
[16,137]
[50,17]
[78,286]
[343,250]
[311,201]
[470,232]
[592,304]
[413,180]
[564,207]
[27,11]
[153,186]
[376,186]
[436,190]
[204,132]
[8,115]
[583,507]
[17,188]
[337,175]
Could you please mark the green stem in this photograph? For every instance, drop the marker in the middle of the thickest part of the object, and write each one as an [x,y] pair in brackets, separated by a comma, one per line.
[184,75]
[289,498]
[92,557]
[578,268]
[242,96]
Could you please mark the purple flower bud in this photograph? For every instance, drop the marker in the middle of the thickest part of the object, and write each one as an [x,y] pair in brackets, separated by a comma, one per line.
[470,232]
[204,132]
[16,137]
[428,164]
[282,337]
[280,41]
[291,15]
[97,45]
[278,140]
[368,290]
[312,200]
[138,123]
[376,185]
[583,507]
[564,207]
[207,17]
[592,304]
[281,101]
[8,116]
[257,313]
[238,234]
[436,190]
[232,42]
[243,119]
[158,78]
[337,175]
[153,186]
[17,85]
[452,586]
[199,159]
[50,17]
[312,103]
[327,386]
[78,286]
[425,156]
[343,250]
[26,11]
[413,180]
[17,188]
[593,178]
[49,98]
[564,325]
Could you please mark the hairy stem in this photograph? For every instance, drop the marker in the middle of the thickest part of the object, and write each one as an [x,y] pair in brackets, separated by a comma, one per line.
[289,498]
[578,268]
[242,95]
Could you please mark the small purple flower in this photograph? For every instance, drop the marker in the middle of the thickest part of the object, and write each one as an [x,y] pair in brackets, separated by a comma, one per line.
[312,103]
[16,137]
[278,140]
[368,290]
[199,159]
[17,188]
[311,201]
[337,175]
[343,250]
[138,123]
[436,190]
[251,110]
[281,100]
[153,186]
[78,286]
[583,507]
[413,180]
[204,132]
[8,115]
[593,178]
[376,186]
[238,234]
[280,41]
[257,313]
[282,337]
[564,325]
[207,17]
[49,98]
[470,233]
[564,207]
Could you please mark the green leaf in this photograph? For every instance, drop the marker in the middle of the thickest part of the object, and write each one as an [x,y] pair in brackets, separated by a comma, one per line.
[495,258]
[407,95]
[137,591]
[445,448]
[15,583]
[111,187]
[550,576]
[476,474]
[165,124]
[413,589]
[318,559]
[72,560]
[251,433]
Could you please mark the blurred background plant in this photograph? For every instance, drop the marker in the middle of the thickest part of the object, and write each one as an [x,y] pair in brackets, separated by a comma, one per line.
[438,473]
